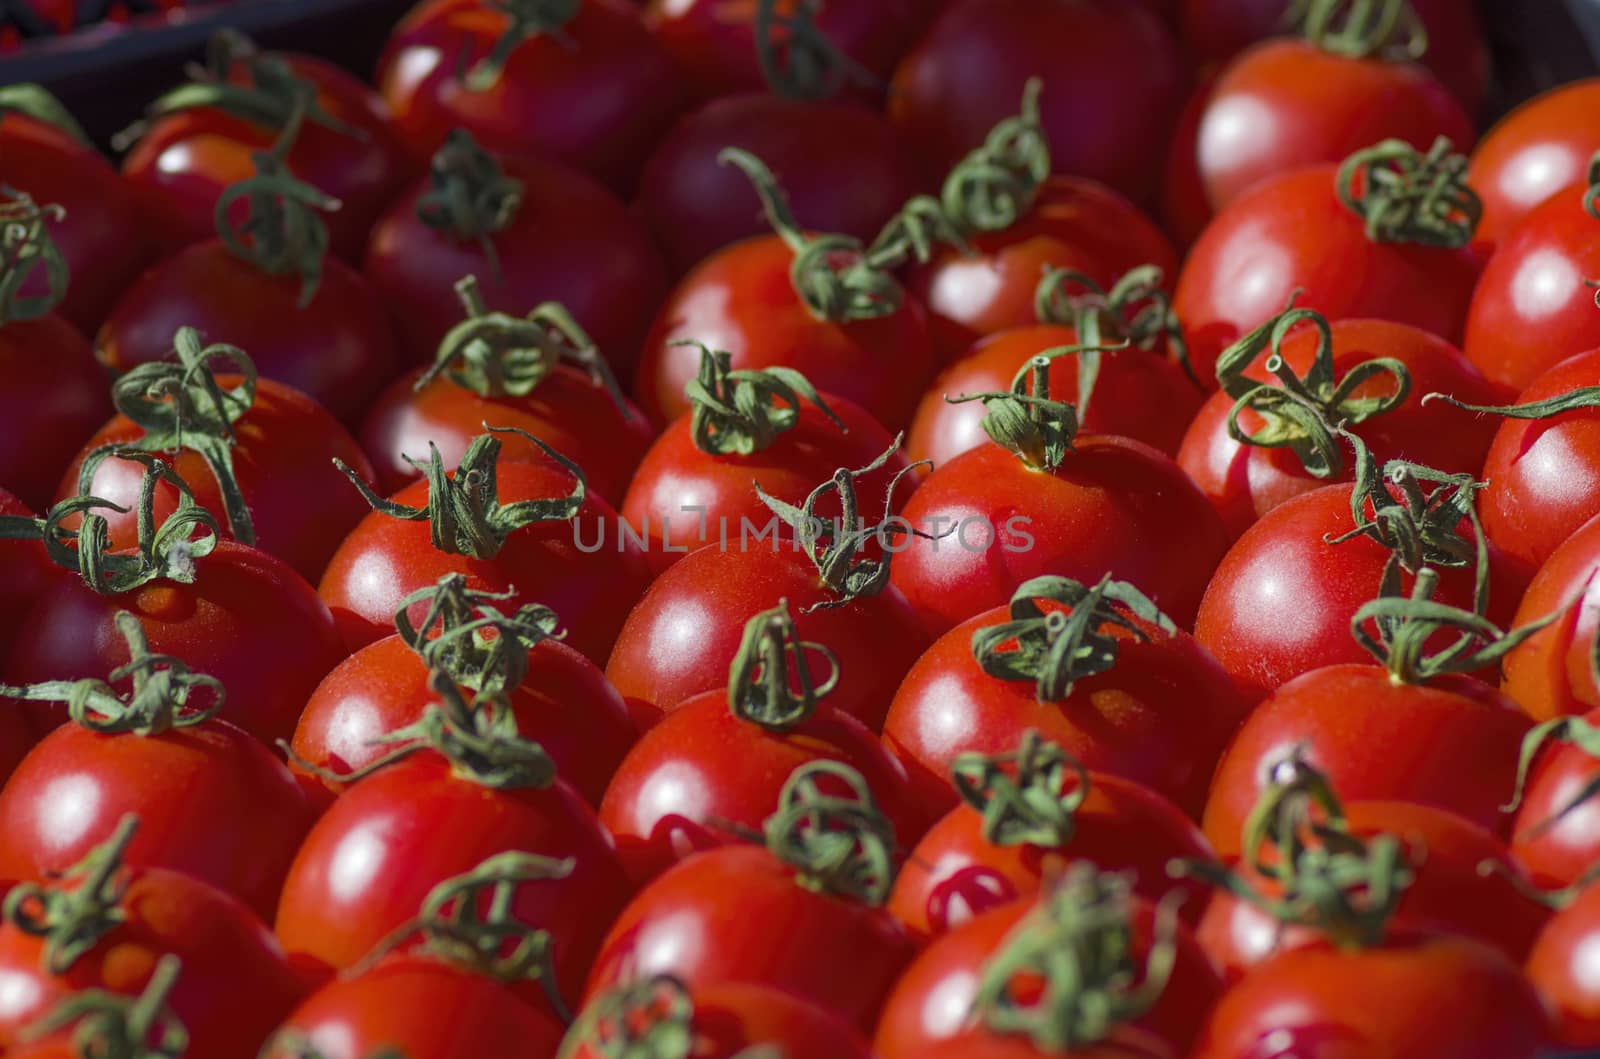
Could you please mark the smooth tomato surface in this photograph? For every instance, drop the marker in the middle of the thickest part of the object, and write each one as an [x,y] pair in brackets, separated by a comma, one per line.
[55,396]
[1539,148]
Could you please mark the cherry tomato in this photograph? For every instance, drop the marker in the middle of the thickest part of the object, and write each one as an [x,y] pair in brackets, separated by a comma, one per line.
[1555,836]
[54,397]
[25,570]
[1185,208]
[594,93]
[1559,968]
[1115,80]
[1532,153]
[1549,674]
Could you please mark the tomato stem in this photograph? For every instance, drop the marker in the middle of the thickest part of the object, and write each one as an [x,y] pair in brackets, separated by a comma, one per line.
[1024,795]
[816,67]
[648,1019]
[744,412]
[84,904]
[838,844]
[1135,310]
[114,1026]
[1405,196]
[1362,29]
[26,247]
[525,19]
[481,648]
[769,682]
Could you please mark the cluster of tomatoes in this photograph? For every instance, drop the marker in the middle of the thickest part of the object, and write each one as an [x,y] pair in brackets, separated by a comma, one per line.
[715,528]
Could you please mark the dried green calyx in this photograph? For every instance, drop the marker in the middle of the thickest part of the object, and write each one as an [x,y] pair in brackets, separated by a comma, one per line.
[1025,795]
[111,1025]
[1406,196]
[25,248]
[837,843]
[464,634]
[797,59]
[1362,29]
[525,19]
[746,411]
[770,681]
[1136,310]
[74,911]
[470,196]
[648,1019]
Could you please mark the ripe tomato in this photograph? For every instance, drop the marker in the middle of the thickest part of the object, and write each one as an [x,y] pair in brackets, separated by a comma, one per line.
[1185,208]
[1559,968]
[192,150]
[1532,153]
[1550,675]
[530,230]
[539,551]
[1414,995]
[594,91]
[1116,81]
[695,205]
[25,570]
[337,349]
[1159,714]
[1555,836]
[55,395]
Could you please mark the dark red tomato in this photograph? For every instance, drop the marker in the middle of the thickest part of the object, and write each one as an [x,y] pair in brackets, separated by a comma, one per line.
[99,235]
[564,704]
[1281,602]
[1185,209]
[247,619]
[955,874]
[695,205]
[1532,153]
[584,569]
[1160,716]
[741,299]
[55,396]
[1114,80]
[683,499]
[1411,996]
[1452,744]
[1074,224]
[1245,482]
[682,637]
[933,999]
[570,241]
[1556,836]
[1292,233]
[567,411]
[1448,893]
[1545,473]
[703,773]
[1113,506]
[1561,969]
[301,507]
[1549,675]
[367,865]
[184,162]
[236,985]
[594,94]
[1138,394]
[212,801]
[25,570]
[425,1008]
[1534,306]
[739,914]
[338,350]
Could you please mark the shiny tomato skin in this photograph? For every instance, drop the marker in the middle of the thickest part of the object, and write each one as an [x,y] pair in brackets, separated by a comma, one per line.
[248,620]
[1245,482]
[235,987]
[1185,209]
[595,95]
[1281,601]
[566,411]
[367,864]
[1075,223]
[694,779]
[1447,894]
[933,999]
[385,559]
[1561,969]
[738,914]
[282,458]
[1452,744]
[1533,308]
[1556,833]
[184,162]
[1138,394]
[741,299]
[1439,995]
[1113,506]
[682,636]
[1160,716]
[1286,104]
[338,350]
[572,241]
[55,396]
[100,236]
[428,1007]
[682,497]
[954,874]
[564,704]
[1538,149]
[25,571]
[1292,233]
[1549,674]
[1114,80]
[212,801]
[695,204]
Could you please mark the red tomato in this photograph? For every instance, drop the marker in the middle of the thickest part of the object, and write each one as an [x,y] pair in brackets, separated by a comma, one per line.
[1560,969]
[1185,209]
[1115,80]
[1291,233]
[594,93]
[1556,836]
[695,205]
[1535,151]
[1411,996]
[1451,743]
[1534,306]
[368,863]
[532,231]
[25,570]
[1245,482]
[338,349]
[1549,674]
[185,159]
[54,397]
